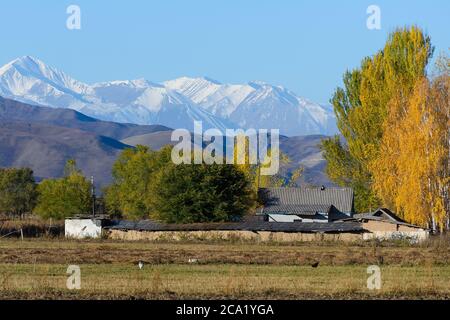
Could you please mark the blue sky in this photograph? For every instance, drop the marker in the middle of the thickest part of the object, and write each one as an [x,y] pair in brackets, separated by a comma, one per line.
[303,45]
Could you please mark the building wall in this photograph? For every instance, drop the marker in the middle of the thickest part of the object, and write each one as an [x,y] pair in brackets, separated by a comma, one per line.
[390,231]
[83,228]
[372,225]
[263,236]
[379,226]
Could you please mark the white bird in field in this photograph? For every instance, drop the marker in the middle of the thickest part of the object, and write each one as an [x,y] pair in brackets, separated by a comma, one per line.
[140,265]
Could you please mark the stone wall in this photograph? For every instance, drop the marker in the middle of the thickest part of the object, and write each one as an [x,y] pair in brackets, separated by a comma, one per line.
[263,236]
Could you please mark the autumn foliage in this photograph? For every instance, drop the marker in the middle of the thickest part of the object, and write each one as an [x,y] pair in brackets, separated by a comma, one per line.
[395,122]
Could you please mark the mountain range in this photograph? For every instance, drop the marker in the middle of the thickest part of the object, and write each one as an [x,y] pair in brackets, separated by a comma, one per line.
[47,117]
[175,104]
[44,138]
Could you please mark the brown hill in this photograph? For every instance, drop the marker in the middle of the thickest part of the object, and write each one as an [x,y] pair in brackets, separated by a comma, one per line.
[46,148]
[44,138]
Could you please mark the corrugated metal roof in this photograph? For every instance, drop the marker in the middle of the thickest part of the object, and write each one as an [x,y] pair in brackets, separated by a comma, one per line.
[255,226]
[296,209]
[340,198]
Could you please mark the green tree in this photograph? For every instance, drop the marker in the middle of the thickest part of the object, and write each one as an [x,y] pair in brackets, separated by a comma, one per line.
[147,183]
[200,193]
[132,175]
[362,107]
[64,197]
[17,191]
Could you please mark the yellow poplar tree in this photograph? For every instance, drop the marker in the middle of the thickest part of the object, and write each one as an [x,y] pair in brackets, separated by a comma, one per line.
[409,171]
[253,171]
[363,105]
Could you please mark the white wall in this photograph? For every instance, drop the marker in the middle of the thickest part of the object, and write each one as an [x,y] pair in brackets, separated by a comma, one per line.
[83,228]
[412,236]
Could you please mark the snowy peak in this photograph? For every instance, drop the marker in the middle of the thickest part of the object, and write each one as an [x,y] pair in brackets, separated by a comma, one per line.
[194,88]
[32,68]
[176,103]
[138,83]
[258,104]
[219,99]
[28,64]
[28,79]
[270,94]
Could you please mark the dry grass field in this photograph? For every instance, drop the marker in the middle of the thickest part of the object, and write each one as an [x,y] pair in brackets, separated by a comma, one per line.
[36,269]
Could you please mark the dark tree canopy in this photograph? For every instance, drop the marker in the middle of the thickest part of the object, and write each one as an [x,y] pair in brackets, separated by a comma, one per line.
[17,191]
[200,193]
[146,183]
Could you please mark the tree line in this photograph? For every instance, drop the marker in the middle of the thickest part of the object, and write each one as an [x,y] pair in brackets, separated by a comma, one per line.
[394,120]
[52,198]
[145,184]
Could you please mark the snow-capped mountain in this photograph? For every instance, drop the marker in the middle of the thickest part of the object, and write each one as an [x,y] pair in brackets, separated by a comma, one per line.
[258,105]
[176,103]
[219,99]
[29,80]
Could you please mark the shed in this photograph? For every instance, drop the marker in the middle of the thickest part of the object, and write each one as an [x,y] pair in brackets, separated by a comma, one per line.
[82,227]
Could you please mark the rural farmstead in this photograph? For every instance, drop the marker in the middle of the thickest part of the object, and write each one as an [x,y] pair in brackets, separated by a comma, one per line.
[290,215]
[354,230]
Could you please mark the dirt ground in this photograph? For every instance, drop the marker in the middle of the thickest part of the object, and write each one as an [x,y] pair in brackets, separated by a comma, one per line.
[62,251]
[36,269]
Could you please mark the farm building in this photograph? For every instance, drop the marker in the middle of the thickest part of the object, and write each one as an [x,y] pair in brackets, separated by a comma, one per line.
[82,227]
[351,229]
[383,224]
[288,215]
[306,204]
[254,229]
[345,230]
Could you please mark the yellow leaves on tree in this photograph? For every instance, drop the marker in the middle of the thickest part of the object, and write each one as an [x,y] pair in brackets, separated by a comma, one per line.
[363,106]
[410,171]
[245,158]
